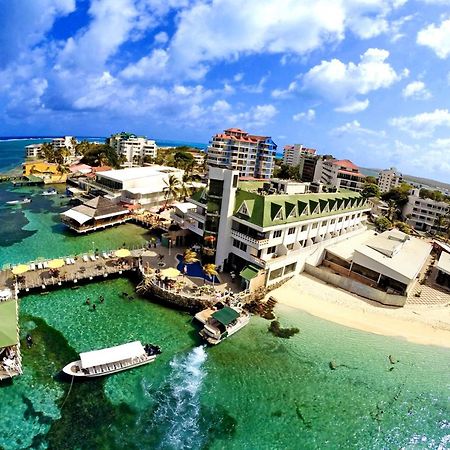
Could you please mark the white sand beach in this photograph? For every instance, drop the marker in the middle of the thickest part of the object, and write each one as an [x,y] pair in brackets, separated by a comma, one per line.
[427,325]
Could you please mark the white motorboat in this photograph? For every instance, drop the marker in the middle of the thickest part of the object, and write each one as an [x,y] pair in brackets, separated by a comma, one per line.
[51,191]
[19,202]
[110,360]
[222,323]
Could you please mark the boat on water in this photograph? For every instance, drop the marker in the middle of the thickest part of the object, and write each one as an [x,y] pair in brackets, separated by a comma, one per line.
[110,360]
[221,323]
[19,202]
[51,191]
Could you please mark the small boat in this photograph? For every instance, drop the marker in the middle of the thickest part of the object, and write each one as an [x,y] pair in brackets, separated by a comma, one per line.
[19,202]
[221,323]
[51,191]
[110,360]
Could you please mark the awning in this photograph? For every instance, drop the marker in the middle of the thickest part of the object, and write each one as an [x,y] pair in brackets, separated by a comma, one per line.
[8,323]
[112,354]
[249,272]
[226,315]
[77,216]
[444,263]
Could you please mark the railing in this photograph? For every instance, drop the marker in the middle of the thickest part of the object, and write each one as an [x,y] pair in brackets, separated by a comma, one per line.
[249,239]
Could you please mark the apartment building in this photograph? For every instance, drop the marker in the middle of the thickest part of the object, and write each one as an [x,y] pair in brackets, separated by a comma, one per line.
[250,155]
[424,214]
[242,224]
[292,154]
[389,179]
[339,174]
[134,148]
[33,151]
[68,142]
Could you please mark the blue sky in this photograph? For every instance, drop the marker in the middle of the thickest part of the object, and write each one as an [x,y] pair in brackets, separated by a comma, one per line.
[367,80]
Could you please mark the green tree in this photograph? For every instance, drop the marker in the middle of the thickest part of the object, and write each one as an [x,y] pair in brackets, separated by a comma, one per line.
[370,190]
[370,180]
[382,223]
[210,271]
[402,226]
[48,152]
[172,188]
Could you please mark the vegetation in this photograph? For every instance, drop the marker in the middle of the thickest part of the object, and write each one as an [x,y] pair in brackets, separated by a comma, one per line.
[284,333]
[286,172]
[370,190]
[383,224]
[52,155]
[210,271]
[172,188]
[371,180]
[189,257]
[437,196]
[403,226]
[99,155]
[179,157]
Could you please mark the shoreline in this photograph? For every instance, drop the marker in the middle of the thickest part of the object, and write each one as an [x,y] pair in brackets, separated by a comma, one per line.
[416,324]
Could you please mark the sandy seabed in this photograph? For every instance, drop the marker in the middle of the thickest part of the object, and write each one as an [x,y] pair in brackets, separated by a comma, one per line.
[427,325]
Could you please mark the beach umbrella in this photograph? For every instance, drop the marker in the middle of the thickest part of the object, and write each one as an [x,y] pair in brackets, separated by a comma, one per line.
[171,272]
[149,253]
[122,253]
[56,263]
[21,268]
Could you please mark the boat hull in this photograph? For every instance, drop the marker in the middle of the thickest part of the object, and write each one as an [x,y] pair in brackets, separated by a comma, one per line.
[73,369]
[214,341]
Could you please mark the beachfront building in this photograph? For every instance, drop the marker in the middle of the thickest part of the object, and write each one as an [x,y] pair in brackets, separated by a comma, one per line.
[68,142]
[95,214]
[425,214]
[199,157]
[10,358]
[250,225]
[339,174]
[49,173]
[143,186]
[443,270]
[133,148]
[389,179]
[33,151]
[250,155]
[390,262]
[292,154]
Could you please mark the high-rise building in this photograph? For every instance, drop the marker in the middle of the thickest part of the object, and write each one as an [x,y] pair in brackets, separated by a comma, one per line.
[134,148]
[68,142]
[339,174]
[389,179]
[293,154]
[251,155]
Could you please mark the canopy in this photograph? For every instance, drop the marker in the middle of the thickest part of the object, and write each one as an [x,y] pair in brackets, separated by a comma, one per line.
[111,354]
[171,272]
[21,268]
[8,323]
[56,263]
[77,216]
[225,315]
[249,272]
[122,253]
[5,294]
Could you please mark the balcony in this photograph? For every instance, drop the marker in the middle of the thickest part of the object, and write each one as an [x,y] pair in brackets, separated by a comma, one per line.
[196,216]
[258,243]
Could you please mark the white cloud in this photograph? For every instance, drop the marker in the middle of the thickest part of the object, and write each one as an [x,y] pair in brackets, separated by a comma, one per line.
[309,116]
[161,38]
[238,77]
[148,67]
[285,93]
[221,106]
[437,38]
[354,127]
[342,83]
[424,124]
[416,90]
[262,26]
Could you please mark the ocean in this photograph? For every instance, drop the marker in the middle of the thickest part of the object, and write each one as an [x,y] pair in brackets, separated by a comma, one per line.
[253,391]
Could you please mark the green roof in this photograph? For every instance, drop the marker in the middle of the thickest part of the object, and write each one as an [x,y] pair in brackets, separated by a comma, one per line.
[225,315]
[197,196]
[278,209]
[249,272]
[8,323]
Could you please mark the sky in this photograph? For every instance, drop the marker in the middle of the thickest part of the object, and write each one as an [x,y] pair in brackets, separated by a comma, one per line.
[367,80]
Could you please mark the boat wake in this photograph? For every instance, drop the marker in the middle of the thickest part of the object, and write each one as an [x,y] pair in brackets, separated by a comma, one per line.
[177,416]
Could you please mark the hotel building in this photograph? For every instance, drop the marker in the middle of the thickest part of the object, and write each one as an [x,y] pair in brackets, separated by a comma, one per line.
[339,174]
[424,214]
[134,148]
[33,151]
[243,224]
[292,154]
[68,142]
[250,155]
[389,179]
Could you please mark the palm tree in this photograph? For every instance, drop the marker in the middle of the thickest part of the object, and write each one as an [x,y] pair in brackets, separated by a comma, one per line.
[392,209]
[210,271]
[172,188]
[48,151]
[189,257]
[186,189]
[102,159]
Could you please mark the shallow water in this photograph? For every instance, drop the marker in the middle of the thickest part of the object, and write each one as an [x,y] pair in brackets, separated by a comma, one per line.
[254,391]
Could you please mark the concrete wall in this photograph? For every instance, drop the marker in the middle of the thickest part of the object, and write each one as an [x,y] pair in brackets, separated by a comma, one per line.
[356,287]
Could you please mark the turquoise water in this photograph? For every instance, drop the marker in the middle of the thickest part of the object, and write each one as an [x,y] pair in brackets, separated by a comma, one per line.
[254,391]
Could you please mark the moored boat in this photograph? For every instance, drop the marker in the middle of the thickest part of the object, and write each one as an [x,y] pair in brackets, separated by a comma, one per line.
[19,202]
[110,360]
[51,191]
[221,323]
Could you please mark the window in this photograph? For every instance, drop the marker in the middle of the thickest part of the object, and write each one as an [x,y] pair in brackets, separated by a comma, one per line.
[277,233]
[291,230]
[240,245]
[340,220]
[314,225]
[289,268]
[271,250]
[304,227]
[290,246]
